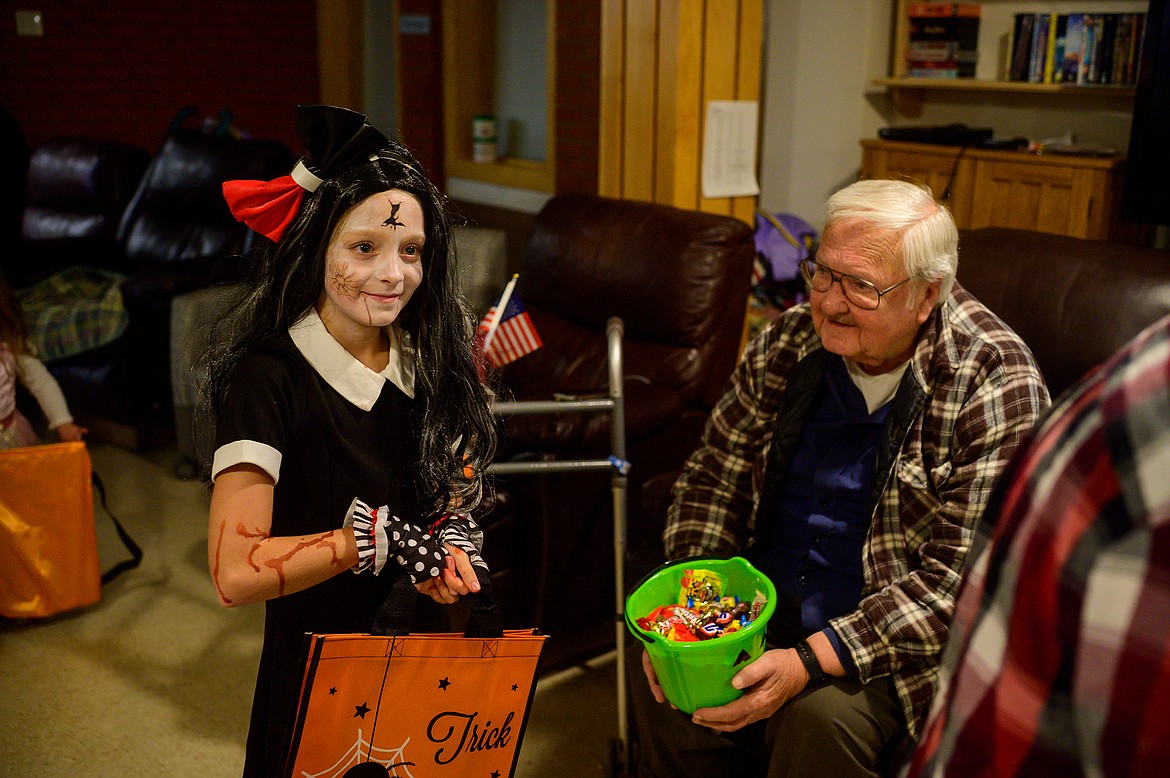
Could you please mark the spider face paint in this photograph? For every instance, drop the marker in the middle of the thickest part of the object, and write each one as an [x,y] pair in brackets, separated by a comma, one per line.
[393,220]
[374,261]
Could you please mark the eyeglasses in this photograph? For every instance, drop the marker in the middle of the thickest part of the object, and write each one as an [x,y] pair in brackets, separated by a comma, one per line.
[857,291]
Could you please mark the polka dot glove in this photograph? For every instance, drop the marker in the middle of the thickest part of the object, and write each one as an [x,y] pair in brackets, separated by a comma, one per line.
[463,533]
[381,536]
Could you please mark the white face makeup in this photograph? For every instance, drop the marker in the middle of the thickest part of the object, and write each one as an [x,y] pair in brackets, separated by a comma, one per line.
[373,263]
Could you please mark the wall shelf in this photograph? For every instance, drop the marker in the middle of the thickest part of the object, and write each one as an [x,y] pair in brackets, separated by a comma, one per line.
[909,94]
[469,90]
[981,85]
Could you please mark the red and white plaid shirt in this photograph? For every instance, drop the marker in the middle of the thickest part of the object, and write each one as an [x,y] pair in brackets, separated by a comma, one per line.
[1059,655]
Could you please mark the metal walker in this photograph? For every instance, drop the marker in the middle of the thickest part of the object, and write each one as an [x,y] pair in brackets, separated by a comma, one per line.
[618,467]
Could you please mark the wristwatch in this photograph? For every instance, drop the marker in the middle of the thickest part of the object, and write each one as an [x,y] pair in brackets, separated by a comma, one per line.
[815,672]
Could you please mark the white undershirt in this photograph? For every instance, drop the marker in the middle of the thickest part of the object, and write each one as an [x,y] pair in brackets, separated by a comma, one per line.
[876,389]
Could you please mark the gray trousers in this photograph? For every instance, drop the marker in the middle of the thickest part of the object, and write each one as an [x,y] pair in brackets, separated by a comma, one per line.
[839,728]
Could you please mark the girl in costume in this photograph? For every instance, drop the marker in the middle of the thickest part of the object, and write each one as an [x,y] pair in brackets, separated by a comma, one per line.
[346,369]
[17,363]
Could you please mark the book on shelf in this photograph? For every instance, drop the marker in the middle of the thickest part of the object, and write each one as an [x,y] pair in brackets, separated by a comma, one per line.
[1021,46]
[1057,37]
[1076,48]
[1090,45]
[944,39]
[1070,61]
[1038,50]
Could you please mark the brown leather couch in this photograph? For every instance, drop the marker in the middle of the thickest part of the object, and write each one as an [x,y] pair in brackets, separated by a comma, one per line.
[76,192]
[1074,302]
[679,280]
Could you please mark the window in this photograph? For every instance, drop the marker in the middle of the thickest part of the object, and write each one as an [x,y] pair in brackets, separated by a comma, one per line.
[499,59]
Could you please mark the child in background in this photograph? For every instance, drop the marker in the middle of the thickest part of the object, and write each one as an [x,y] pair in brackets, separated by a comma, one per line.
[17,362]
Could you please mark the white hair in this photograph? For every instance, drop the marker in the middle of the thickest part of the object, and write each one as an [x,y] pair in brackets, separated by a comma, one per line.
[926,231]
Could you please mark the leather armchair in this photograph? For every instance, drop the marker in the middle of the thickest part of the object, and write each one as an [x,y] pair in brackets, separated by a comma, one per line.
[77,190]
[679,280]
[172,234]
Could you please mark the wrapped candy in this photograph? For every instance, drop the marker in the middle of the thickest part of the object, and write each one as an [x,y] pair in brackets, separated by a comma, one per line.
[700,586]
[703,611]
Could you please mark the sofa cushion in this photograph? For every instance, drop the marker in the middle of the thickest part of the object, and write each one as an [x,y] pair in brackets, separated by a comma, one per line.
[1074,302]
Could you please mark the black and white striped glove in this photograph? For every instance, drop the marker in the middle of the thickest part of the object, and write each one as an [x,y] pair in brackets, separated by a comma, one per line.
[464,534]
[381,536]
[369,530]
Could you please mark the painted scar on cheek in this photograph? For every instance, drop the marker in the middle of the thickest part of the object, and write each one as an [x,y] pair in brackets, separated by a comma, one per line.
[342,280]
[393,220]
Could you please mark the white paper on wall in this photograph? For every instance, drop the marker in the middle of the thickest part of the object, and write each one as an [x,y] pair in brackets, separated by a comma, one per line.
[729,148]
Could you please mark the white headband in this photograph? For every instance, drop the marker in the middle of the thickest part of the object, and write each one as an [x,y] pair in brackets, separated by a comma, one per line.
[304,178]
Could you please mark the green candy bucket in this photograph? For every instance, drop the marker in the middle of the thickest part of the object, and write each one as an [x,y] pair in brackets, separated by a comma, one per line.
[698,675]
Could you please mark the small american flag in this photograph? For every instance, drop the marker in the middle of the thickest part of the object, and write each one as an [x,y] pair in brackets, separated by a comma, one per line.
[514,335]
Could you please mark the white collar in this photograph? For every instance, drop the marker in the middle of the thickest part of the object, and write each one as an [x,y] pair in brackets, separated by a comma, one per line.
[353,380]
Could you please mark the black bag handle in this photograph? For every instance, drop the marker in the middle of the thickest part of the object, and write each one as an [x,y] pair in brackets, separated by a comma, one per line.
[127,541]
[397,611]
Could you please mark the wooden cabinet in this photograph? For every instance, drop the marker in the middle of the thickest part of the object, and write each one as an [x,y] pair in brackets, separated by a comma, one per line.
[1055,193]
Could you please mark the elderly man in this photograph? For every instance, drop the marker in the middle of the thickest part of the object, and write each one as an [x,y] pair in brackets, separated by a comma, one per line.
[849,459]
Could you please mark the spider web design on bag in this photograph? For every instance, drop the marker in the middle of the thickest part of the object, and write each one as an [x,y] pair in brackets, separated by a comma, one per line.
[392,759]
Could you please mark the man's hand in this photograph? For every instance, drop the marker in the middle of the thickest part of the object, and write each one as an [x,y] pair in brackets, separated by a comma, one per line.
[769,682]
[652,677]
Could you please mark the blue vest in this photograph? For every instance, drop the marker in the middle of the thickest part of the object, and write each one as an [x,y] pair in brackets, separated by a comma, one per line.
[814,553]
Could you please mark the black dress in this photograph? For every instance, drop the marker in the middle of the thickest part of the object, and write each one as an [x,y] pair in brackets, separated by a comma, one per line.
[331,451]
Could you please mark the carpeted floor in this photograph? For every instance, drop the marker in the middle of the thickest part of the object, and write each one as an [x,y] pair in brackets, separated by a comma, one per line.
[157,678]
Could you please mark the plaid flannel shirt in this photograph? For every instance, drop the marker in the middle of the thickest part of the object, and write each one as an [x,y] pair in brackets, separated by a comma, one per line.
[971,392]
[1058,658]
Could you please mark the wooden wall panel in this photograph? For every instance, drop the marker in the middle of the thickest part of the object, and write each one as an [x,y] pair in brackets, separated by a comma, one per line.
[680,99]
[747,84]
[339,23]
[720,58]
[611,118]
[640,88]
[661,63]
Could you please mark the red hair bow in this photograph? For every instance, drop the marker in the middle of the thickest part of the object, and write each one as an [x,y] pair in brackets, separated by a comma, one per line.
[335,139]
[268,207]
